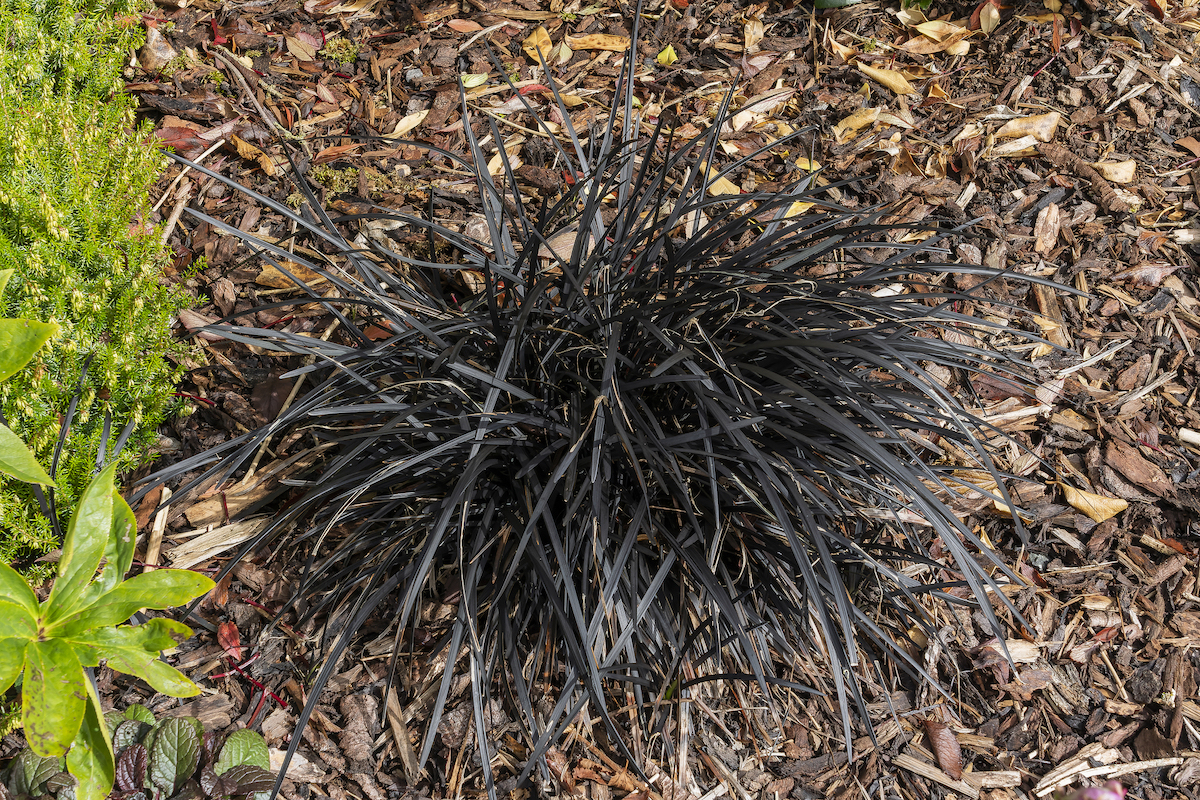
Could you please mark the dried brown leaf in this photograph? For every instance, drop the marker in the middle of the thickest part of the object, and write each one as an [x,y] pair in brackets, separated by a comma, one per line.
[945,747]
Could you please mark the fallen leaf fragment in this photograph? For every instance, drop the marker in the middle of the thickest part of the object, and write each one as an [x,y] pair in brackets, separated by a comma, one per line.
[989,18]
[1117,171]
[1096,507]
[464,25]
[1017,148]
[1045,230]
[1039,126]
[599,41]
[273,277]
[667,57]
[407,124]
[846,130]
[300,49]
[194,322]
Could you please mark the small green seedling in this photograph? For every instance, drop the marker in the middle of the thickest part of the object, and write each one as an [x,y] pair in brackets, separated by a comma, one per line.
[171,758]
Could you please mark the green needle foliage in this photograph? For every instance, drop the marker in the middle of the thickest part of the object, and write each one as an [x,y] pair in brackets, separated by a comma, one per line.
[73,182]
[684,448]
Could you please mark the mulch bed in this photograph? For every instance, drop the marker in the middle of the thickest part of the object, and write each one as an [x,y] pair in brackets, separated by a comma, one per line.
[1073,140]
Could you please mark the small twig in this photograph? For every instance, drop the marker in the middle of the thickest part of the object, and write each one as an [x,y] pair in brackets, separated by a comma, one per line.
[185,197]
[230,62]
[182,173]
[1061,157]
[157,528]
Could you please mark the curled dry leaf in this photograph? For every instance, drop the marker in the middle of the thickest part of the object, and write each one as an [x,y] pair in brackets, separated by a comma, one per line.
[1096,507]
[538,41]
[945,747]
[252,153]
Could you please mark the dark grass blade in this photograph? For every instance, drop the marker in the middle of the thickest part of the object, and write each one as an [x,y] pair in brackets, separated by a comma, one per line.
[592,448]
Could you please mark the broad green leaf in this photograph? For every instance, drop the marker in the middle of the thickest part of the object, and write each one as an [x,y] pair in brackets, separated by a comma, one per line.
[5,274]
[118,555]
[53,696]
[16,621]
[18,461]
[19,340]
[128,733]
[31,771]
[90,760]
[12,661]
[111,718]
[17,629]
[163,588]
[140,713]
[250,779]
[174,755]
[123,533]
[134,650]
[243,747]
[13,587]
[86,540]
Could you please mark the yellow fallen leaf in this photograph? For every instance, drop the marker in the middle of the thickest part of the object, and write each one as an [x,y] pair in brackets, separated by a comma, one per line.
[538,40]
[667,57]
[845,130]
[889,78]
[1096,507]
[599,41]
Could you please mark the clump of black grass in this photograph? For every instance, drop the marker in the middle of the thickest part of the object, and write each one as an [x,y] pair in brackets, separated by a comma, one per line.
[681,445]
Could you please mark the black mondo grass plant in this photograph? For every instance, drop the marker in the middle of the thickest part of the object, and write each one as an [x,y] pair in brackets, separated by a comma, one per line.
[647,436]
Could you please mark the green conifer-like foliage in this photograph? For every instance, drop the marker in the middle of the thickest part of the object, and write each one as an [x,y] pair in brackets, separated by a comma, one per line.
[74,173]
